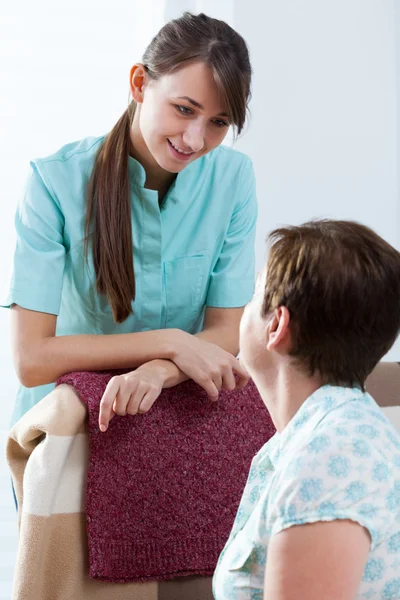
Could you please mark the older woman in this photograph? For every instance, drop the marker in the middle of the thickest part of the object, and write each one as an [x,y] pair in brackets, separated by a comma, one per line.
[320,514]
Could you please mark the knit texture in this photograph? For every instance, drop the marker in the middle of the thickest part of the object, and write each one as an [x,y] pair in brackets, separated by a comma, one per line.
[163,488]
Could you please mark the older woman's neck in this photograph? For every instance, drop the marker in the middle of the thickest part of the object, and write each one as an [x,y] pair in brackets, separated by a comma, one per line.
[284,391]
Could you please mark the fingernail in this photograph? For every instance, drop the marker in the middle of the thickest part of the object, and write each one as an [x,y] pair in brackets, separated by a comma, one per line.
[103,427]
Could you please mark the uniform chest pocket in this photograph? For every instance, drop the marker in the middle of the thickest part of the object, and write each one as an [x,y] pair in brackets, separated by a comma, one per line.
[185,288]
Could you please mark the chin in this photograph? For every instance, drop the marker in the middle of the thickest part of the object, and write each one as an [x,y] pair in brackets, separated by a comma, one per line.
[171,166]
[253,361]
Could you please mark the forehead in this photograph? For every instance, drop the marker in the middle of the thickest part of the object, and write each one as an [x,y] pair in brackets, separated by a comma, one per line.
[195,81]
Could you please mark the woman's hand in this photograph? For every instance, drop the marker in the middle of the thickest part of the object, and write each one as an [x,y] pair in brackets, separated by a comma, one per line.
[132,393]
[207,364]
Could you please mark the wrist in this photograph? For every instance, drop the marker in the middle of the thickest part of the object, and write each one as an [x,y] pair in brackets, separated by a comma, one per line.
[171,340]
[167,370]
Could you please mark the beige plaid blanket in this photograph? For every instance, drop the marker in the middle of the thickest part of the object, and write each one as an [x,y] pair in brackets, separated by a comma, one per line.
[47,452]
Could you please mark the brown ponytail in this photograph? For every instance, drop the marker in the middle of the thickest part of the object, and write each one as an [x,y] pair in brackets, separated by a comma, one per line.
[108,219]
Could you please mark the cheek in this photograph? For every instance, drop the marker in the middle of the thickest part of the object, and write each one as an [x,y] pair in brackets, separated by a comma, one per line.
[251,337]
[247,331]
[145,123]
[244,323]
[153,119]
[215,136]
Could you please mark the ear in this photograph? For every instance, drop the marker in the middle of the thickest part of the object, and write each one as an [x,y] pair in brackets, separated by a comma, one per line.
[138,79]
[278,329]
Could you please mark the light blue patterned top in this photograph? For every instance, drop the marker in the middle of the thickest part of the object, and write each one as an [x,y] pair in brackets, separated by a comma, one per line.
[196,250]
[338,458]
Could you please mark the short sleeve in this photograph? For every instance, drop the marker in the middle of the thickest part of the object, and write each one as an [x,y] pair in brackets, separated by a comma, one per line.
[232,279]
[330,481]
[39,257]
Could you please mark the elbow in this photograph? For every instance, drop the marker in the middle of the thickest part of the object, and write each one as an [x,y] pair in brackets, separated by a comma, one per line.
[27,369]
[25,375]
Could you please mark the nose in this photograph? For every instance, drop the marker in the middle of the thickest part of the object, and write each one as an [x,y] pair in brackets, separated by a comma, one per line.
[193,136]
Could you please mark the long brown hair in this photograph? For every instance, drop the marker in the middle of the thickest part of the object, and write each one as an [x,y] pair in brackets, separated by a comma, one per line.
[108,228]
[340,282]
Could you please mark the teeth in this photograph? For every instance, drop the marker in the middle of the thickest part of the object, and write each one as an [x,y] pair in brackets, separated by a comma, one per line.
[178,149]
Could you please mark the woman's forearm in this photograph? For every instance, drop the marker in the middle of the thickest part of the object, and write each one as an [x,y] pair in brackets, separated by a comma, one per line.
[46,359]
[41,357]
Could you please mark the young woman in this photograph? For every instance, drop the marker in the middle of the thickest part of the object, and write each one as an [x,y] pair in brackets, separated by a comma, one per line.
[136,249]
[320,514]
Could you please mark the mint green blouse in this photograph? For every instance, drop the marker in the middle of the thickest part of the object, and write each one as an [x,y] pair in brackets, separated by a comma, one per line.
[196,250]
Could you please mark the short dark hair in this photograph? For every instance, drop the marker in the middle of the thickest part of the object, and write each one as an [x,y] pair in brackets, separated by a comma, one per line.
[340,282]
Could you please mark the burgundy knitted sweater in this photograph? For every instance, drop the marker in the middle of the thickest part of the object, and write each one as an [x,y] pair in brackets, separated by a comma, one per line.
[163,488]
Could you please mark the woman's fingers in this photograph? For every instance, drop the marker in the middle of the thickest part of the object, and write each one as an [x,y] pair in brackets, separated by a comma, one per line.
[148,400]
[131,394]
[208,385]
[228,381]
[133,403]
[120,404]
[217,379]
[136,392]
[106,412]
[209,365]
[136,398]
[242,376]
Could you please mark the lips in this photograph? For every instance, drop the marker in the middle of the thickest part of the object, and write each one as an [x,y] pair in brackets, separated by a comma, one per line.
[180,150]
[178,154]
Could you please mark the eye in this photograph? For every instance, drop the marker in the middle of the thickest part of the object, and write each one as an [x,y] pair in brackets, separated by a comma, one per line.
[183,110]
[220,123]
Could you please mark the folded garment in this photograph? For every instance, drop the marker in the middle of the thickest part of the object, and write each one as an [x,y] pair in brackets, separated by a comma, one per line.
[163,488]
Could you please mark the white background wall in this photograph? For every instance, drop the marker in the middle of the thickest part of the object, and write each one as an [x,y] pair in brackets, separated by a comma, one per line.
[324,132]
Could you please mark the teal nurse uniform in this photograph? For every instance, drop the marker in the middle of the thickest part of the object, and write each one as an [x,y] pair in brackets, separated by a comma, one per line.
[194,251]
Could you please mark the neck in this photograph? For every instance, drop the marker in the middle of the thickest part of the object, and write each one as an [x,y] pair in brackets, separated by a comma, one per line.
[156,178]
[284,391]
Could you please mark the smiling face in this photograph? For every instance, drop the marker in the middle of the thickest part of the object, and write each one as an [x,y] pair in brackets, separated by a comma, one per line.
[181,116]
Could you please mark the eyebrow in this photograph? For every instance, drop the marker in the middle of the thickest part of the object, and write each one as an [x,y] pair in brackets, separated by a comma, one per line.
[198,105]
